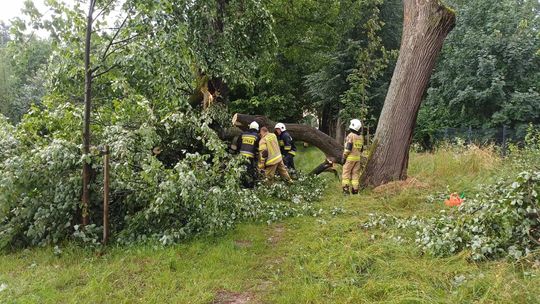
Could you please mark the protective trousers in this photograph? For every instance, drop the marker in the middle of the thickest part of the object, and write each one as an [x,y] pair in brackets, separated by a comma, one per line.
[270,172]
[288,160]
[351,174]
[249,179]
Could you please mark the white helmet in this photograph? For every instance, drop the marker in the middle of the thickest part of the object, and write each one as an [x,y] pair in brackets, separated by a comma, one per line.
[356,124]
[254,125]
[280,126]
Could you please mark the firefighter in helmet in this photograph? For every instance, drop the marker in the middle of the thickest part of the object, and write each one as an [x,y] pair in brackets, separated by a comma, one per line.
[286,146]
[354,144]
[248,144]
[270,158]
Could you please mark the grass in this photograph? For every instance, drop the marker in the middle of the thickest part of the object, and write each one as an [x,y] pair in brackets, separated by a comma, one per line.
[329,259]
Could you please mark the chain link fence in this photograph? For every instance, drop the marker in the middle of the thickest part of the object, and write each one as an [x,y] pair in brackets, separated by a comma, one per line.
[500,137]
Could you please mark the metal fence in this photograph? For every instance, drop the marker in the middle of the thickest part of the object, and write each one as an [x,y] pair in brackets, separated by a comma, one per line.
[500,137]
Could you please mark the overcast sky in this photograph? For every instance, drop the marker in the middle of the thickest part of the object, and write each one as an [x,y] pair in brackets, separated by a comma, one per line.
[10,9]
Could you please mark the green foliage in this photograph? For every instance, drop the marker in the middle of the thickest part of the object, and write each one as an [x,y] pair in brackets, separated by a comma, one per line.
[8,142]
[227,38]
[40,192]
[140,92]
[23,65]
[326,48]
[353,79]
[198,194]
[488,72]
[523,157]
[502,220]
[372,59]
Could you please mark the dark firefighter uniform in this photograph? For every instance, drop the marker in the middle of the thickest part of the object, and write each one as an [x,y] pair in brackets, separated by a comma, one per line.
[351,169]
[288,149]
[248,144]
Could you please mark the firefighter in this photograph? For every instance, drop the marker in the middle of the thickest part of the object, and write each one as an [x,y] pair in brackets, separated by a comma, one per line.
[248,144]
[354,144]
[270,158]
[286,146]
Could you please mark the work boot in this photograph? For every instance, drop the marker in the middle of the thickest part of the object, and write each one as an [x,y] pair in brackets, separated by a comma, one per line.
[354,191]
[346,190]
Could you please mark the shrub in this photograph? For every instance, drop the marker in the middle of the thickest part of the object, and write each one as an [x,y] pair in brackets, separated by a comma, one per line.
[39,194]
[195,191]
[503,220]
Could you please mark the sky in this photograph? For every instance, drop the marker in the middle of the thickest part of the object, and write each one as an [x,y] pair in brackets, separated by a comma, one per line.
[12,8]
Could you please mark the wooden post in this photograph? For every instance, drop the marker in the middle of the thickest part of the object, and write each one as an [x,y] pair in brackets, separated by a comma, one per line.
[504,140]
[106,195]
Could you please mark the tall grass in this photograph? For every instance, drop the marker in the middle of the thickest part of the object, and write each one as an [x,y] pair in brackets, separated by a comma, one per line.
[326,259]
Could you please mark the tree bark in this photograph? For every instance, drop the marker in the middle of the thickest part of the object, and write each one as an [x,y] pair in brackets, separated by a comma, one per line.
[426,24]
[329,146]
[87,111]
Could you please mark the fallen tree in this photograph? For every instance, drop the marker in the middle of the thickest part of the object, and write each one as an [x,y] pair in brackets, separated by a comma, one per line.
[328,145]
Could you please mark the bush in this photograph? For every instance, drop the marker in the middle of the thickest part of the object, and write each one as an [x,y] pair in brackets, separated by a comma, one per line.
[195,191]
[503,220]
[7,139]
[39,194]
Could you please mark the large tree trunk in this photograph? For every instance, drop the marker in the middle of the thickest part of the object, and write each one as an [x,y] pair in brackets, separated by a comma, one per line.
[426,24]
[340,131]
[328,145]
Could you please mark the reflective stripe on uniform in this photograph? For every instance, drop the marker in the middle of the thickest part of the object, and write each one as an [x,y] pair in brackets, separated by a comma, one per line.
[345,182]
[248,154]
[293,153]
[281,143]
[353,158]
[355,182]
[270,161]
[287,148]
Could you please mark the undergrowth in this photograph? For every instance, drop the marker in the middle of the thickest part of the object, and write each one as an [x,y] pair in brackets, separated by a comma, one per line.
[191,188]
[500,219]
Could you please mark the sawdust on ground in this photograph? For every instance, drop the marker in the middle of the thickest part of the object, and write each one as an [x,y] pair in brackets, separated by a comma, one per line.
[398,186]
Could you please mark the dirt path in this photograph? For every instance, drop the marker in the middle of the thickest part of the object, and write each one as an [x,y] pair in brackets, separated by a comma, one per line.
[252,296]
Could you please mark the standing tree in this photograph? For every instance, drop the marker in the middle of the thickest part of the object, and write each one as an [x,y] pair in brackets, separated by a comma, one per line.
[87,110]
[426,24]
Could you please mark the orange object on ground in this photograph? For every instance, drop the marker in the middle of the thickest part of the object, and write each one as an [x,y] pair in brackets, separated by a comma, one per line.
[454,200]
